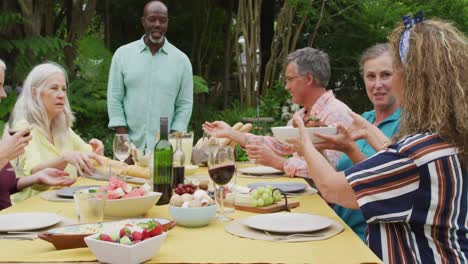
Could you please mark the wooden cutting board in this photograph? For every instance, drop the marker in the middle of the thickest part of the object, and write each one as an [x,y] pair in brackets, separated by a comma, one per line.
[276,207]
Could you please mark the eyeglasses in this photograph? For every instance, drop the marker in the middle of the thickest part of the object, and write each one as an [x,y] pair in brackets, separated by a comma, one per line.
[290,79]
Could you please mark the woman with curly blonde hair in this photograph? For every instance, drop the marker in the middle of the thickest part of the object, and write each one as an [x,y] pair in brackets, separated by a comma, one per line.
[437,75]
[413,192]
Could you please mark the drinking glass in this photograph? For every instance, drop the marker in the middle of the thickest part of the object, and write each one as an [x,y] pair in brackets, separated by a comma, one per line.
[221,168]
[121,147]
[89,205]
[254,140]
[17,168]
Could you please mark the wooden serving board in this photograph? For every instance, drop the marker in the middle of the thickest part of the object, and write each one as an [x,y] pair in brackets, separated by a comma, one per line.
[276,207]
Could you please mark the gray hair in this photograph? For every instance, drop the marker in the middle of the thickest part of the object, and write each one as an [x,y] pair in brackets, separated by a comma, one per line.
[30,107]
[373,52]
[2,65]
[313,61]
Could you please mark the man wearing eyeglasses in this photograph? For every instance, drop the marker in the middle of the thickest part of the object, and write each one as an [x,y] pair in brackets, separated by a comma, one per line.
[307,75]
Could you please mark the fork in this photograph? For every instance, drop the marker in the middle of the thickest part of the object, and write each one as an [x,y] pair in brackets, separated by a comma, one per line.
[280,238]
[14,237]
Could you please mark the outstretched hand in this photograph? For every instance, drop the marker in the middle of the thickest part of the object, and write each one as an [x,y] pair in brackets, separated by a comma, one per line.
[217,129]
[53,177]
[342,141]
[359,128]
[301,143]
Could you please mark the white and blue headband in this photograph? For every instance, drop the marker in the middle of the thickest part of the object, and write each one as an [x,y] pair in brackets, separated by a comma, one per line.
[404,40]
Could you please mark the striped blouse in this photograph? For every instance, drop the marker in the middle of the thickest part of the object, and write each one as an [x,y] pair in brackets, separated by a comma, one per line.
[414,197]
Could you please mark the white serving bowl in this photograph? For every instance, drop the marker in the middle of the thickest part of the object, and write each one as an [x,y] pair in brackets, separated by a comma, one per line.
[194,216]
[109,252]
[286,132]
[131,207]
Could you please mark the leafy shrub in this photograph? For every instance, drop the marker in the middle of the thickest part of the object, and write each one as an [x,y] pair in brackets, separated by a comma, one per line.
[88,91]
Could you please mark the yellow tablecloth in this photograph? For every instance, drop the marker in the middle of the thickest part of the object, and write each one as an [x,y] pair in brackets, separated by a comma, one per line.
[210,244]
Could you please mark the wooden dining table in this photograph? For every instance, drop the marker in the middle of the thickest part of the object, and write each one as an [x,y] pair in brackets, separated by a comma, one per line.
[209,244]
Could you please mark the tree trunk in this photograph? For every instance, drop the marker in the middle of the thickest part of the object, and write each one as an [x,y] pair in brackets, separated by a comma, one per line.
[267,19]
[227,54]
[248,26]
[79,20]
[107,25]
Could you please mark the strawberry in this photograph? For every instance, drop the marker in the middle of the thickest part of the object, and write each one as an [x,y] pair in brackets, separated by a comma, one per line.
[105,237]
[124,231]
[145,234]
[156,231]
[136,236]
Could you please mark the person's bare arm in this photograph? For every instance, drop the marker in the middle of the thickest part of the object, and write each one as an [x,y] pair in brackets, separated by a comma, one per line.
[81,160]
[332,184]
[48,176]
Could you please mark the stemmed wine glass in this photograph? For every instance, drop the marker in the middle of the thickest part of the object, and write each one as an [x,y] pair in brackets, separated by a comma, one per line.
[17,169]
[121,147]
[221,168]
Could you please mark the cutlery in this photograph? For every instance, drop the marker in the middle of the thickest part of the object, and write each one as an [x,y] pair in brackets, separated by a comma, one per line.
[291,236]
[13,237]
[17,232]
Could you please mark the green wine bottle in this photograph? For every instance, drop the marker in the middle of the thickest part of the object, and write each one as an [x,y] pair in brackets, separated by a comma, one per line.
[162,164]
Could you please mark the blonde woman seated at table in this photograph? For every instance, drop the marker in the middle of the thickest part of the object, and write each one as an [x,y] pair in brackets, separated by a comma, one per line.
[413,193]
[43,104]
[377,72]
[10,148]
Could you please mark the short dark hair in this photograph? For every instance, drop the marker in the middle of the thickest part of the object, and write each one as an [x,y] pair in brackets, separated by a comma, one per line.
[151,1]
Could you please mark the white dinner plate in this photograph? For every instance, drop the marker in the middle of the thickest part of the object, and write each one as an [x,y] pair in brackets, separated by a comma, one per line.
[260,170]
[287,222]
[27,221]
[68,192]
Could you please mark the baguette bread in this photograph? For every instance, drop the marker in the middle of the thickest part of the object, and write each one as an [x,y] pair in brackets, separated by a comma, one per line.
[225,141]
[137,171]
[245,129]
[120,168]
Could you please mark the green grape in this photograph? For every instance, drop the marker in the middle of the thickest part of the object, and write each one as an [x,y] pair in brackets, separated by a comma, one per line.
[268,200]
[254,203]
[266,195]
[276,197]
[260,190]
[260,202]
[255,194]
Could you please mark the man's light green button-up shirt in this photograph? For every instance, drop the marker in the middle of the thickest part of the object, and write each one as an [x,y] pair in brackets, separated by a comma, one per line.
[144,87]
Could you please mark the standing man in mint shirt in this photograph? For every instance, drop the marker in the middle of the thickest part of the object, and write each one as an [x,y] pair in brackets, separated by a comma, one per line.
[149,78]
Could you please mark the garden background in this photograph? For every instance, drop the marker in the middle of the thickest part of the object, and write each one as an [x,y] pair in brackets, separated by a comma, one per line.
[237,49]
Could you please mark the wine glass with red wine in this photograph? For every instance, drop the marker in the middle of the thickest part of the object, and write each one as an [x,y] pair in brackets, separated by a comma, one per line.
[11,130]
[221,168]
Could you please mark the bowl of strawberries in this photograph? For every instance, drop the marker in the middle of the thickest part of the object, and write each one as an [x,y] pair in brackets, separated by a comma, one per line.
[127,244]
